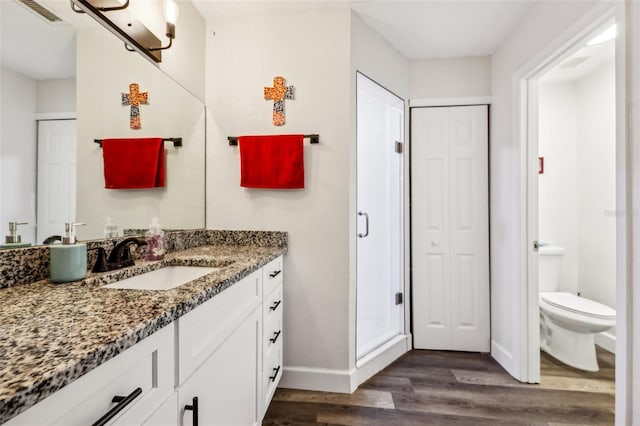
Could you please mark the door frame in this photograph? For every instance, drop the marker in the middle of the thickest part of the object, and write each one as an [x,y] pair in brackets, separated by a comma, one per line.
[526,104]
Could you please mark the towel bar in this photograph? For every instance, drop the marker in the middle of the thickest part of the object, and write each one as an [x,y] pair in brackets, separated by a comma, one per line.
[233,140]
[176,141]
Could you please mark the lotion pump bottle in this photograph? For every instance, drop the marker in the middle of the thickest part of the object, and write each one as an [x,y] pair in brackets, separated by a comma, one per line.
[68,260]
[155,241]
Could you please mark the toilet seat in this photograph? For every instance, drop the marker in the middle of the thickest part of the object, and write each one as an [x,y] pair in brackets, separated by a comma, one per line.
[580,305]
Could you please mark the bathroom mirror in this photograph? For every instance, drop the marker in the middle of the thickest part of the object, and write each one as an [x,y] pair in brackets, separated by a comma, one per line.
[61,86]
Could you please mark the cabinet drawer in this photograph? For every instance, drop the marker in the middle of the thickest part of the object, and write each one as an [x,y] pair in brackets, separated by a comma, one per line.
[271,374]
[272,320]
[148,365]
[205,328]
[272,274]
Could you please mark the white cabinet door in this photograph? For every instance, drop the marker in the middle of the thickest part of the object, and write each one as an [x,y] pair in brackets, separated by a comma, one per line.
[226,384]
[206,327]
[450,228]
[166,415]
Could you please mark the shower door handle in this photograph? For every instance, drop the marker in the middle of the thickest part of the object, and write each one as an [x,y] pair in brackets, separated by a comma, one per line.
[366,229]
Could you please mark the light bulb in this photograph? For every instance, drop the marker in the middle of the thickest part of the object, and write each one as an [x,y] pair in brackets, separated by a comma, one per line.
[171,11]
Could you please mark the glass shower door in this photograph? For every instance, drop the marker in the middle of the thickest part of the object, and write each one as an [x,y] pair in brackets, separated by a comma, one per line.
[380,246]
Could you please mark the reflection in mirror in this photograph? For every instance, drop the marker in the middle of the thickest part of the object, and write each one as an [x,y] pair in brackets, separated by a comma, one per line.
[51,171]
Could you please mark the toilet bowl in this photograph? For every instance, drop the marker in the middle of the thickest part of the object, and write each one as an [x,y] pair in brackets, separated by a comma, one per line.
[567,326]
[567,321]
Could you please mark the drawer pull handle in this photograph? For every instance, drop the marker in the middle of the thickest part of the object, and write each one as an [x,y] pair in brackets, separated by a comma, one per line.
[275,305]
[121,402]
[275,374]
[275,336]
[193,407]
[275,273]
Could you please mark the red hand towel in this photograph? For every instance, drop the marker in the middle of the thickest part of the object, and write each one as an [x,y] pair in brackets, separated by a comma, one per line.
[133,163]
[275,161]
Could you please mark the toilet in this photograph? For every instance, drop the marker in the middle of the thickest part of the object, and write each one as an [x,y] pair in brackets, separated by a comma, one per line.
[567,321]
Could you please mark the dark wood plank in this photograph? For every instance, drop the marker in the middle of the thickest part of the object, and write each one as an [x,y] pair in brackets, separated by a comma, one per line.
[457,388]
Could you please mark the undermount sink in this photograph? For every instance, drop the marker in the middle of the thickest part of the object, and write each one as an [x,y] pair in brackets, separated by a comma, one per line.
[163,279]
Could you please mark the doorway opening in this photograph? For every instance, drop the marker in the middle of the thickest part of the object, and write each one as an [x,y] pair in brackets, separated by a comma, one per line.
[574,187]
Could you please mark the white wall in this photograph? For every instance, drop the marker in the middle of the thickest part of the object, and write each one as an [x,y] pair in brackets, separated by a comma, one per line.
[317,52]
[102,75]
[545,22]
[18,146]
[450,77]
[185,61]
[56,95]
[597,185]
[558,186]
[577,190]
[311,50]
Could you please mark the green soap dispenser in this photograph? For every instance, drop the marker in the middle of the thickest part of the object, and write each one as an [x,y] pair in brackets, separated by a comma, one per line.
[68,260]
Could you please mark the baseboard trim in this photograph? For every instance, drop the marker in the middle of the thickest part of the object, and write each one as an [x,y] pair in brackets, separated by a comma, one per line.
[345,381]
[606,341]
[318,379]
[379,359]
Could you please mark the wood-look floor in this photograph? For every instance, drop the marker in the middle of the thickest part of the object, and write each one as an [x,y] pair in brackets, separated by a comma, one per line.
[457,388]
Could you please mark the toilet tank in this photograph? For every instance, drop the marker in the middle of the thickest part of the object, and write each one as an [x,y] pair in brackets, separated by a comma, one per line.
[549,267]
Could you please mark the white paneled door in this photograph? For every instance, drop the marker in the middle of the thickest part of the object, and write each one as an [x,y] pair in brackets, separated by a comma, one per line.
[380,255]
[56,177]
[450,228]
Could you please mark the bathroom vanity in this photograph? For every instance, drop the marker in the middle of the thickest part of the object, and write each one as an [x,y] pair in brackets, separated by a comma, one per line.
[205,352]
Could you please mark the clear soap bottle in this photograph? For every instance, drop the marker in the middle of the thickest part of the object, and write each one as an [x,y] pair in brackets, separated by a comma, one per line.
[110,229]
[155,241]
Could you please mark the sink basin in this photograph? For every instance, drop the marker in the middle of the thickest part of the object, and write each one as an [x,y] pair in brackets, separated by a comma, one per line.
[163,279]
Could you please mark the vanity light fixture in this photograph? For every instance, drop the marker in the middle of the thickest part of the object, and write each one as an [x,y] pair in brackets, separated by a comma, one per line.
[171,16]
[126,27]
[123,5]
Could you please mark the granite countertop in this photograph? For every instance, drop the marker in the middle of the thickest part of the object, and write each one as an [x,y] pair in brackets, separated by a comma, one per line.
[51,334]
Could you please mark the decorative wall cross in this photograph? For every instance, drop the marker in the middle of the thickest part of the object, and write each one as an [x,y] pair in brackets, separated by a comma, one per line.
[134,98]
[278,93]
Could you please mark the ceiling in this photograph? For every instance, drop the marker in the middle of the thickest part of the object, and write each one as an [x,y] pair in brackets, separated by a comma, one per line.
[443,29]
[583,62]
[417,28]
[36,47]
[33,46]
